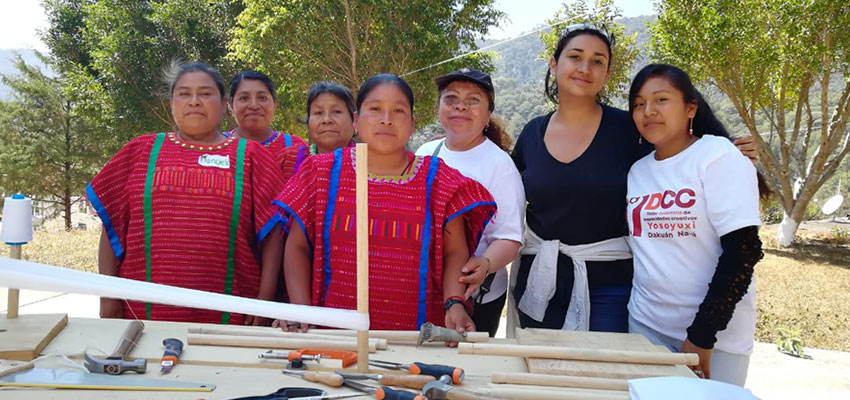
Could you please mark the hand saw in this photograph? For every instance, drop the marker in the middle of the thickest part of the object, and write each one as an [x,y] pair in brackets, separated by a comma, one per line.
[70,379]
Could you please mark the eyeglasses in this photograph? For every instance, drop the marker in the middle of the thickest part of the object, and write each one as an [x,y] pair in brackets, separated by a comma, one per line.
[586,27]
[452,100]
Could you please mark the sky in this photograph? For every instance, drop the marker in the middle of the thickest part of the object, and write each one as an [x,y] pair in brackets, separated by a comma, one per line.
[23,18]
[524,15]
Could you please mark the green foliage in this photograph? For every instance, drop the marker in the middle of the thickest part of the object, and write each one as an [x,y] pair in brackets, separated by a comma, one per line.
[52,146]
[790,342]
[603,15]
[301,42]
[778,62]
[840,233]
[125,46]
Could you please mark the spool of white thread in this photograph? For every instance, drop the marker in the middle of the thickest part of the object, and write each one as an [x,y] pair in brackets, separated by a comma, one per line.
[17,220]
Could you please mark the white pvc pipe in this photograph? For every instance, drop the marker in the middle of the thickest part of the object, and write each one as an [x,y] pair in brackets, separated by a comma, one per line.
[28,275]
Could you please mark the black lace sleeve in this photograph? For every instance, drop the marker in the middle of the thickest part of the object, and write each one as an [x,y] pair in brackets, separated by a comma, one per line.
[741,252]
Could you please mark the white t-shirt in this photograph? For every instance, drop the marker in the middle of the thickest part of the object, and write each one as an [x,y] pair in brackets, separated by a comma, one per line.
[678,208]
[493,168]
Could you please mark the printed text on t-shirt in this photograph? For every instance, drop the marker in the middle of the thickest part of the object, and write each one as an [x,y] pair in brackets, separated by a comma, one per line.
[666,214]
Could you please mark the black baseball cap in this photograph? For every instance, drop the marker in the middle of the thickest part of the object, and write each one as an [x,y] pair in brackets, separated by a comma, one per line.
[466,74]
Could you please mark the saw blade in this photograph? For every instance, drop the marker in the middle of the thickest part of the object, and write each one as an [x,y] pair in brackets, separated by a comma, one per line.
[69,379]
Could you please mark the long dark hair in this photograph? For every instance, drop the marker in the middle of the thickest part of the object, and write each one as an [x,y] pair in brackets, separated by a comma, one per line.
[705,122]
[379,79]
[550,83]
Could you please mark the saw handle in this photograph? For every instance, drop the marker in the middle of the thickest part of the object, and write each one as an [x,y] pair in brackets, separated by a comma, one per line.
[408,381]
[128,340]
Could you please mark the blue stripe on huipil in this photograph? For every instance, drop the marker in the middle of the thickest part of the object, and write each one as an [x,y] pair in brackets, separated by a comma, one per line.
[333,188]
[297,219]
[107,222]
[425,253]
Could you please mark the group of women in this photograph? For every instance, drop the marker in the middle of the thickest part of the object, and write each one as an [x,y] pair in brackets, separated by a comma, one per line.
[639,221]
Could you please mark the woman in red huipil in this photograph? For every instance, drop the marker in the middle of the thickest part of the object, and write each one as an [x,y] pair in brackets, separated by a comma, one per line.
[425,219]
[190,208]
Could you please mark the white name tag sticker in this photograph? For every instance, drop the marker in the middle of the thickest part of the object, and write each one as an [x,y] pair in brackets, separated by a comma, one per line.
[211,160]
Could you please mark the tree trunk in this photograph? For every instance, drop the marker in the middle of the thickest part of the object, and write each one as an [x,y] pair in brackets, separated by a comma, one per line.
[787,230]
[66,203]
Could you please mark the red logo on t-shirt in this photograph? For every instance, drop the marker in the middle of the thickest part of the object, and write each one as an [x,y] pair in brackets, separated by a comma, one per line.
[684,198]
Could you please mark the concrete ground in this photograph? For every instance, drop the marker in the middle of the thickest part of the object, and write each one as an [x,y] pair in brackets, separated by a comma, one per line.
[772,375]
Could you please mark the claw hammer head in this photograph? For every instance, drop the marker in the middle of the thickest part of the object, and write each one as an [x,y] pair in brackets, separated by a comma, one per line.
[439,389]
[115,364]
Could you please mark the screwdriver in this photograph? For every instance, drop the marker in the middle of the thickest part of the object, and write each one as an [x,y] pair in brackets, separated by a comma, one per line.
[328,378]
[408,381]
[383,392]
[418,368]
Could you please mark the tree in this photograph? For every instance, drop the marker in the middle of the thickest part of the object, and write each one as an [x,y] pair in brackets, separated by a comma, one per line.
[775,60]
[603,15]
[301,42]
[126,45]
[51,149]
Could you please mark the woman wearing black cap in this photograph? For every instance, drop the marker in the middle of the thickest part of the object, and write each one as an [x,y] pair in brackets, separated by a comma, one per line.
[477,146]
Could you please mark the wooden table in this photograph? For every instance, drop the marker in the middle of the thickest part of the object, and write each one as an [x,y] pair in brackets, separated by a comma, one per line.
[236,371]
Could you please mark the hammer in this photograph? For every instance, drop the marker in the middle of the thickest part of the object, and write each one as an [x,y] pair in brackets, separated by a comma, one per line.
[442,390]
[115,364]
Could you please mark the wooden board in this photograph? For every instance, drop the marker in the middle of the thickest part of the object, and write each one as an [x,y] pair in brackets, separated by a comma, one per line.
[25,337]
[601,340]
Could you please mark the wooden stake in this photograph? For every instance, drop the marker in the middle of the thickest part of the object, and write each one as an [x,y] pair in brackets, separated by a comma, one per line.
[274,343]
[539,393]
[380,344]
[574,353]
[560,380]
[19,368]
[12,312]
[397,336]
[362,218]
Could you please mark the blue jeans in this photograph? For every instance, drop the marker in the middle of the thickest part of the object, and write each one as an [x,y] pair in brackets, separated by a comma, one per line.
[608,310]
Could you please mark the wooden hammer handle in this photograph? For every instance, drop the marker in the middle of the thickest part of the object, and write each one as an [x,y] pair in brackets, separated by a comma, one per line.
[461,394]
[128,340]
[327,378]
[14,370]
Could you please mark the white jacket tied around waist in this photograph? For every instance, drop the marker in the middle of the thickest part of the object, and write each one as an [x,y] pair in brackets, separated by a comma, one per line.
[544,272]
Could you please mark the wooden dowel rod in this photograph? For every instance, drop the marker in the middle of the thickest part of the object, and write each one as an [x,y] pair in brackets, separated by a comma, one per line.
[560,380]
[380,344]
[572,353]
[362,226]
[529,393]
[272,343]
[13,297]
[16,369]
[398,336]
